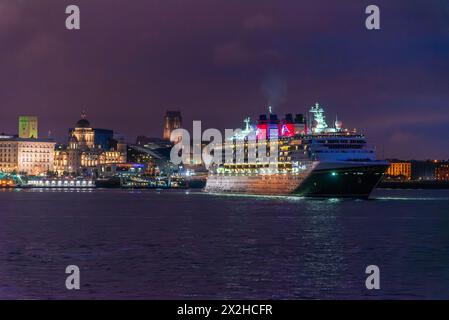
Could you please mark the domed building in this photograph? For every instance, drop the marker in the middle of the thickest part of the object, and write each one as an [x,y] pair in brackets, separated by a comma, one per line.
[88,148]
[83,133]
[83,123]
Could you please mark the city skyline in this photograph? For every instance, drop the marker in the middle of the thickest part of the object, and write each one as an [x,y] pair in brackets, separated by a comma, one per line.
[221,63]
[62,140]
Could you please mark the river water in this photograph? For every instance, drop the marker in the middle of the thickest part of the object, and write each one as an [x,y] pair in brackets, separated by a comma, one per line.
[190,245]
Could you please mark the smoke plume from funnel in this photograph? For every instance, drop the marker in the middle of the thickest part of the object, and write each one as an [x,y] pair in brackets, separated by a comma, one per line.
[274,88]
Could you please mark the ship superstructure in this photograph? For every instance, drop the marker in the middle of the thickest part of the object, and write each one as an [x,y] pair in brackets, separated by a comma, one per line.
[297,155]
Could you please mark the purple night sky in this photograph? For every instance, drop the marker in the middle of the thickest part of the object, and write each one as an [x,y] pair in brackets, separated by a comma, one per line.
[222,60]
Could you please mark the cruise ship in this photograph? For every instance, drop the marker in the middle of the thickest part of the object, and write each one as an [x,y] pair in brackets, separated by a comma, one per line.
[312,159]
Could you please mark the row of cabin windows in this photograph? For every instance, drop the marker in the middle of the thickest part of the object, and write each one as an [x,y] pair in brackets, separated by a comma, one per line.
[341,141]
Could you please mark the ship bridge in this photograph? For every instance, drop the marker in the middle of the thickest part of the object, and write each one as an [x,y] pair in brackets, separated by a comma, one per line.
[341,148]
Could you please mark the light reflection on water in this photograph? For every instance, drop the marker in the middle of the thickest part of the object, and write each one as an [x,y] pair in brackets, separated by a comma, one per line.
[188,244]
[378,194]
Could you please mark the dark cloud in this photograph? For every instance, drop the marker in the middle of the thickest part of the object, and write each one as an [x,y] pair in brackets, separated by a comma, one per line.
[222,60]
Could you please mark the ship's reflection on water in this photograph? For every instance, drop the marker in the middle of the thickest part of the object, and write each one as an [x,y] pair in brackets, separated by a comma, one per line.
[187,244]
[45,190]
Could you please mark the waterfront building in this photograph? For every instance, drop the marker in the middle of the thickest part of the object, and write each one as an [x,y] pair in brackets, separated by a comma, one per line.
[62,160]
[83,135]
[424,170]
[172,121]
[400,170]
[155,157]
[122,170]
[87,148]
[442,171]
[26,156]
[153,143]
[104,139]
[28,127]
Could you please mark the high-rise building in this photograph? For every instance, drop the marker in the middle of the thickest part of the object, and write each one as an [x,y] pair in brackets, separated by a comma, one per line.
[172,121]
[28,127]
